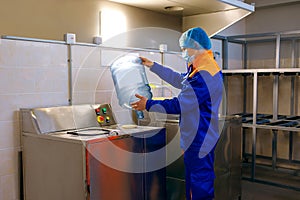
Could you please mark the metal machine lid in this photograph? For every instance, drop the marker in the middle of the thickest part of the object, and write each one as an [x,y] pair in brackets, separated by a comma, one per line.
[53,119]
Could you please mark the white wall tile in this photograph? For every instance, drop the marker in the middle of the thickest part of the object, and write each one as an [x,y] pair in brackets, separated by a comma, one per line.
[13,80]
[85,56]
[86,79]
[109,56]
[8,53]
[42,99]
[22,80]
[51,80]
[105,81]
[8,103]
[84,97]
[9,189]
[32,54]
[8,161]
[176,62]
[103,96]
[10,135]
[51,99]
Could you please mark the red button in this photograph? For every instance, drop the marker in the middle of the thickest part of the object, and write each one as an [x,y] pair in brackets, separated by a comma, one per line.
[100,119]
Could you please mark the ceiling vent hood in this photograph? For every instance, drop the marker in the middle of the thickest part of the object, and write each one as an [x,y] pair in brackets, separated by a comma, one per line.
[212,15]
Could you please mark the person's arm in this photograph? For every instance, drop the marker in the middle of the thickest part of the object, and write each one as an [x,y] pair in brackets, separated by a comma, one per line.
[170,106]
[167,74]
[192,95]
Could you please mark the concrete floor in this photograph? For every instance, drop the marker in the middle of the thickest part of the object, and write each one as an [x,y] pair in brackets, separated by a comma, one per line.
[289,181]
[258,191]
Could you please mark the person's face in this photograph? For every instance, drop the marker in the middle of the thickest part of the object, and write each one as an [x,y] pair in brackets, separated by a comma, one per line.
[190,51]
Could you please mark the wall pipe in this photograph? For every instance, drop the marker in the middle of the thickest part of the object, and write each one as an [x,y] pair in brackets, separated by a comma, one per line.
[84,44]
[70,65]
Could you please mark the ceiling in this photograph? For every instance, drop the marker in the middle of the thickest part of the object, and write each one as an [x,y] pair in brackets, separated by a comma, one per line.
[211,15]
[190,7]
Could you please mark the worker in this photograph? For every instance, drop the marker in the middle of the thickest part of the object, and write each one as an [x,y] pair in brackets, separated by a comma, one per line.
[197,104]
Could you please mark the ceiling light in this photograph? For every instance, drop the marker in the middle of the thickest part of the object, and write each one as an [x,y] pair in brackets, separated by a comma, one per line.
[173,8]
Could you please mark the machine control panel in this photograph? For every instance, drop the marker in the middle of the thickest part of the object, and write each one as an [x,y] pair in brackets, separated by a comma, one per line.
[105,115]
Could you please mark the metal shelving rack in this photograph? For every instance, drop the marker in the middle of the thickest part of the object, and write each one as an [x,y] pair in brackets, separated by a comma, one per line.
[294,71]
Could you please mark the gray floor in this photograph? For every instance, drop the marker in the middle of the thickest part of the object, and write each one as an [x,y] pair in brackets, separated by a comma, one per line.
[257,191]
[284,177]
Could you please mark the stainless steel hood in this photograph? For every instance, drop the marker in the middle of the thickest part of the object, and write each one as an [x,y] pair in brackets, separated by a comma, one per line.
[212,15]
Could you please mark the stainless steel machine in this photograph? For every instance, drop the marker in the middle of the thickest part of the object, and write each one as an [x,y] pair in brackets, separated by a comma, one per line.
[79,152]
[228,161]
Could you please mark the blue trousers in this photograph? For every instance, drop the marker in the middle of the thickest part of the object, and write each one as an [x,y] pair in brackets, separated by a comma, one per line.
[199,175]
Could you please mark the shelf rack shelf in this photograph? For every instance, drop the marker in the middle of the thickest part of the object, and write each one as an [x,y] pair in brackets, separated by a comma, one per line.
[272,123]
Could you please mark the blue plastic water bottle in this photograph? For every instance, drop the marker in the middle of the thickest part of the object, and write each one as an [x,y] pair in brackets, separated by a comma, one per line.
[130,78]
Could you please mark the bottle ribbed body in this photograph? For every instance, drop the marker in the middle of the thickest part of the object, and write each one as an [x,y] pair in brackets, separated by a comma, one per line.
[129,77]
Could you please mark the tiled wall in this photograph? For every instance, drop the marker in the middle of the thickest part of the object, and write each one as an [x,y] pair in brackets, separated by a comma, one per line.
[31,75]
[35,74]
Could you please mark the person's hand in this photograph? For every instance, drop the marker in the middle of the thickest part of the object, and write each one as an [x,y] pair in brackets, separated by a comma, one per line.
[141,104]
[146,62]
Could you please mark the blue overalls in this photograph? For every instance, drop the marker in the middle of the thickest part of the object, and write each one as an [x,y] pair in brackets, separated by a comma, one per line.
[198,104]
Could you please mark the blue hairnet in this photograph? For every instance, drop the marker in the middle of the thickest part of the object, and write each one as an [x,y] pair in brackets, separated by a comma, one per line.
[195,38]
